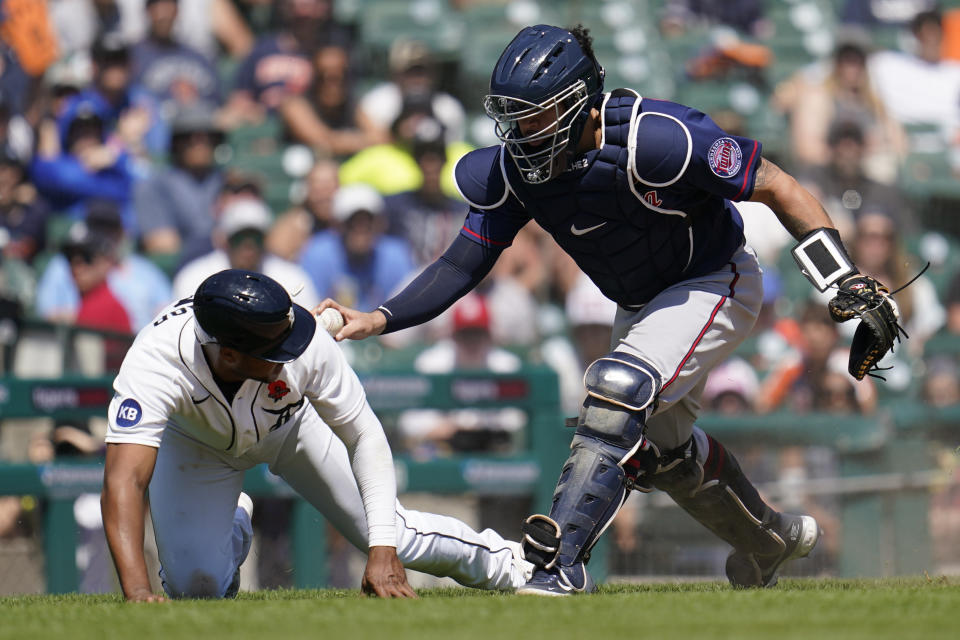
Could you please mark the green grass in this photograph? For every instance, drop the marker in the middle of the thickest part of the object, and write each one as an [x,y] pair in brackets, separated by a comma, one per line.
[807,609]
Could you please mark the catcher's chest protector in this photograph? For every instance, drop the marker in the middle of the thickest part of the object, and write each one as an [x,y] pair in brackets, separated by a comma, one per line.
[633,218]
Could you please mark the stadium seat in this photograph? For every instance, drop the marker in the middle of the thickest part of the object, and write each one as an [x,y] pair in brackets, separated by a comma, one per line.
[430,21]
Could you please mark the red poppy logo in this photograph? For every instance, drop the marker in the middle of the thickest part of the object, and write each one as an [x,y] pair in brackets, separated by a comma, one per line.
[277,389]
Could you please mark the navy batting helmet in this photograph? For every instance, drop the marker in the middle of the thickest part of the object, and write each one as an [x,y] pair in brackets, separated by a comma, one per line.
[253,314]
[544,70]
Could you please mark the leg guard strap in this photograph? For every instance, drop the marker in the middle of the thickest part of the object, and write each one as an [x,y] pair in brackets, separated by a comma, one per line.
[714,490]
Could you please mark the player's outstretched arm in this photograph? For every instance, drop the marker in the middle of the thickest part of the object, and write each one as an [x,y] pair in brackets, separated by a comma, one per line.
[462,266]
[384,576]
[796,208]
[126,475]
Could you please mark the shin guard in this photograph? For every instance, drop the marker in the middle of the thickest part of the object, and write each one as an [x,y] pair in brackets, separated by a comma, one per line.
[706,481]
[589,493]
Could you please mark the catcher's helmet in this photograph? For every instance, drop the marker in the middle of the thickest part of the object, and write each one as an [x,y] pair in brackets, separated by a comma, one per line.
[253,314]
[543,70]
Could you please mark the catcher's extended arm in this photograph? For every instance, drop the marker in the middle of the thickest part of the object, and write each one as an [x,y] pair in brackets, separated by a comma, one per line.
[825,263]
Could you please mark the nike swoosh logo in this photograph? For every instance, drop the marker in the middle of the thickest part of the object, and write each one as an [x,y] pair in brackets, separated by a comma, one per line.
[580,232]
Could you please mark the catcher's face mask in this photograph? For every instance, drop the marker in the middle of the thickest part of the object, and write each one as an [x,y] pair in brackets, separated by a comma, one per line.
[537,149]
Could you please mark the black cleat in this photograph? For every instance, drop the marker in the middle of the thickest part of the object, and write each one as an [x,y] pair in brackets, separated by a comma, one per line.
[746,570]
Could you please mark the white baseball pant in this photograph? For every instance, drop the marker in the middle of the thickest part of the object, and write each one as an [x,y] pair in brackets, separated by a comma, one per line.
[203,537]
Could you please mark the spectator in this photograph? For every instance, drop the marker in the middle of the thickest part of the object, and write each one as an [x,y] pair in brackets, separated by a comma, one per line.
[113,95]
[934,94]
[846,95]
[294,227]
[747,16]
[414,76]
[239,238]
[84,165]
[23,215]
[836,394]
[16,134]
[426,217]
[100,244]
[803,379]
[953,305]
[64,80]
[17,288]
[590,316]
[78,23]
[844,187]
[391,168]
[470,347]
[877,251]
[883,13]
[356,263]
[326,117]
[88,252]
[279,64]
[731,388]
[237,185]
[941,384]
[175,205]
[516,284]
[171,74]
[206,26]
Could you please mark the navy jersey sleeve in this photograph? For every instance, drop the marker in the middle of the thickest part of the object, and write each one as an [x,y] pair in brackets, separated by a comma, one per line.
[721,163]
[496,215]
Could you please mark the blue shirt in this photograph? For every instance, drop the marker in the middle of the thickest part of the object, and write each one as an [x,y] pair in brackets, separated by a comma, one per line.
[175,199]
[67,185]
[360,285]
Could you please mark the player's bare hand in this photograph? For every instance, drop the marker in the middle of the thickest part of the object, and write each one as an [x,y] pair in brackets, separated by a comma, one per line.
[384,576]
[357,324]
[145,595]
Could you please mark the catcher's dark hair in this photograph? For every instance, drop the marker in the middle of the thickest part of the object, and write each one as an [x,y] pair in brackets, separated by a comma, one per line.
[582,35]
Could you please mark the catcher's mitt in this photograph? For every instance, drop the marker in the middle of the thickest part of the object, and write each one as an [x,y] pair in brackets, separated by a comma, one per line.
[864,298]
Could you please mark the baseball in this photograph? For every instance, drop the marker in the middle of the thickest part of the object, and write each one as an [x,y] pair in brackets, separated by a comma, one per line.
[331,320]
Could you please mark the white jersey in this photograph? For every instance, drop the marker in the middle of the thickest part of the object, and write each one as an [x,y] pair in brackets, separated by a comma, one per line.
[312,426]
[165,382]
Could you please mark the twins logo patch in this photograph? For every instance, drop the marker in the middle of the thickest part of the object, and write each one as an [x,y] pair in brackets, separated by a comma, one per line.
[725,157]
[129,413]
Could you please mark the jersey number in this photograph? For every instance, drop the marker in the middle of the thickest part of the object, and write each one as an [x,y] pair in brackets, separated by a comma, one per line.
[176,312]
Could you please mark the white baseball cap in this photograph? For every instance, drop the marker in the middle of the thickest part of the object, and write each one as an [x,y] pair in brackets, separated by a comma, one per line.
[356,197]
[245,213]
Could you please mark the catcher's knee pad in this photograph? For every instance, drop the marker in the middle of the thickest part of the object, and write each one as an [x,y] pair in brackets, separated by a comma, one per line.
[621,394]
[706,481]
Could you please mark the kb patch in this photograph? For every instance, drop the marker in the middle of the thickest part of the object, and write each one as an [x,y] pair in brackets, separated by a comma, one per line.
[129,413]
[725,157]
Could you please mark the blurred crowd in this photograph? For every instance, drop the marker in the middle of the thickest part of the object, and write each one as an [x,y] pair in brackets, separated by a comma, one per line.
[145,144]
